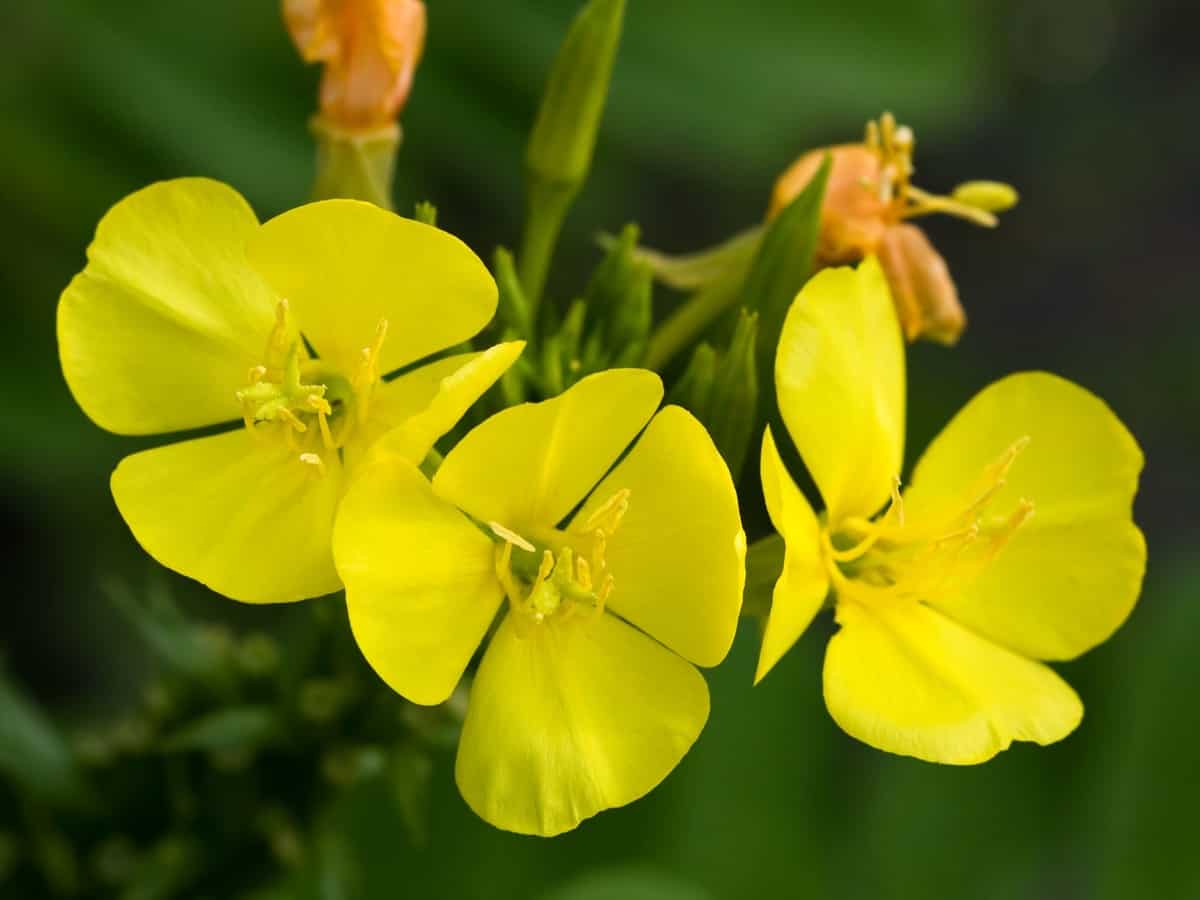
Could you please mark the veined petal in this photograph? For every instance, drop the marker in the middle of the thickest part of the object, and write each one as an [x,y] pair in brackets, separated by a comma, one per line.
[243,516]
[803,583]
[576,718]
[839,376]
[678,558]
[345,265]
[904,678]
[527,466]
[417,408]
[158,332]
[1071,574]
[421,587]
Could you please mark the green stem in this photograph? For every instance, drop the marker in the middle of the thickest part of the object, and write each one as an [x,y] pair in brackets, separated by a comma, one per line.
[547,207]
[689,321]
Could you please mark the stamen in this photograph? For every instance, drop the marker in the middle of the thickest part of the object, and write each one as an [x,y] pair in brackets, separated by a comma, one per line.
[608,515]
[511,537]
[1022,514]
[368,370]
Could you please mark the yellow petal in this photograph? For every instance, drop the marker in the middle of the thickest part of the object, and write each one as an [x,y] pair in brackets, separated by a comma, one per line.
[345,265]
[678,558]
[526,467]
[576,718]
[906,679]
[803,583]
[159,330]
[1072,573]
[420,580]
[417,408]
[839,375]
[243,516]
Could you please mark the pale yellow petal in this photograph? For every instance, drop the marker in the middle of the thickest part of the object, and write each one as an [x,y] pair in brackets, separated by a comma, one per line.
[904,678]
[346,265]
[576,718]
[527,467]
[804,582]
[244,516]
[421,587]
[678,558]
[158,332]
[1072,573]
[839,376]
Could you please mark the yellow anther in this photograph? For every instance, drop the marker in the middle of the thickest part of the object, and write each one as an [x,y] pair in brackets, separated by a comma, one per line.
[547,566]
[608,515]
[511,537]
[1019,517]
[292,419]
[583,573]
[314,460]
[256,374]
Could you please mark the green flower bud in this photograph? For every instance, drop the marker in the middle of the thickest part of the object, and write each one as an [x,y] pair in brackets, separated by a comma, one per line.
[559,153]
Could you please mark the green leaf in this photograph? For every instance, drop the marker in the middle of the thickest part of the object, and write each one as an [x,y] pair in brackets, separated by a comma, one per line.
[233,728]
[33,753]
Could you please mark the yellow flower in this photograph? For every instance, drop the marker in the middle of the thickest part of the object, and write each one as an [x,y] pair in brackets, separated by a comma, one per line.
[191,314]
[869,200]
[587,696]
[370,49]
[1013,544]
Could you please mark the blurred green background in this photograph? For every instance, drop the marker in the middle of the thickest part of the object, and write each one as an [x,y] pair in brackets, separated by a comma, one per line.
[1088,106]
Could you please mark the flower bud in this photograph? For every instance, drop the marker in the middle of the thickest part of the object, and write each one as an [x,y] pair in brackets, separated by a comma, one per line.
[370,49]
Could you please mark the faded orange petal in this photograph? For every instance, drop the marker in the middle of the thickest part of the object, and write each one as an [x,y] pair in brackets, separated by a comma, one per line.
[853,218]
[370,48]
[922,289]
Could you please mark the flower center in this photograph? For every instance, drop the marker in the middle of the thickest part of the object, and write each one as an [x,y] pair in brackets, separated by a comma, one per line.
[566,576]
[893,144]
[304,401]
[891,558]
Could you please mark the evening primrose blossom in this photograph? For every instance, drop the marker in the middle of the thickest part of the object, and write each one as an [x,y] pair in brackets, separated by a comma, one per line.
[1013,544]
[615,580]
[191,314]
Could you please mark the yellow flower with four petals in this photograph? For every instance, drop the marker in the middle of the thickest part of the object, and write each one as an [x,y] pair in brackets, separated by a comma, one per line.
[192,314]
[616,574]
[1013,545]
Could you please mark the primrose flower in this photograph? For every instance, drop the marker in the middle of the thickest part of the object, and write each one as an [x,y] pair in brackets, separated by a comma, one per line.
[1013,544]
[191,314]
[869,199]
[370,49]
[618,578]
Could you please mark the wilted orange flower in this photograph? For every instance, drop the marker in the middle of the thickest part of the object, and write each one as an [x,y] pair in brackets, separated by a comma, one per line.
[868,200]
[370,49]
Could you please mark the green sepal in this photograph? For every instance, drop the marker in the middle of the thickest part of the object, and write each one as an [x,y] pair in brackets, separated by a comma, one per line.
[783,263]
[693,390]
[733,402]
[355,165]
